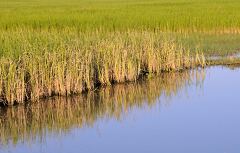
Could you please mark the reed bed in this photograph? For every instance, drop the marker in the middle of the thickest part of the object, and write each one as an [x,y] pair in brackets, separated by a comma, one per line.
[58,115]
[63,63]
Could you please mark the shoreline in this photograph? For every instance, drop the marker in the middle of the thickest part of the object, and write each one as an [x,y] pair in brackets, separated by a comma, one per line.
[143,77]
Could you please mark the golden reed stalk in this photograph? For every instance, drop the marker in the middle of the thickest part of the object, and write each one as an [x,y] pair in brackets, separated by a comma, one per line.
[65,68]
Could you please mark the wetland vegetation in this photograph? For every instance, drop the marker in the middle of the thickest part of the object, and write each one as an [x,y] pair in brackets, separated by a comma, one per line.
[64,47]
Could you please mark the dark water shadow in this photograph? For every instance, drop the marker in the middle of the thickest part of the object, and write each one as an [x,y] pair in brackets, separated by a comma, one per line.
[59,115]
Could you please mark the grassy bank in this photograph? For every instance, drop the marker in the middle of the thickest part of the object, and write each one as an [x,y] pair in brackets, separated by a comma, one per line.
[75,62]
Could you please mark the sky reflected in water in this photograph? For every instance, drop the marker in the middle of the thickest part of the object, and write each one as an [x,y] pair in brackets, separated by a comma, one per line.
[188,112]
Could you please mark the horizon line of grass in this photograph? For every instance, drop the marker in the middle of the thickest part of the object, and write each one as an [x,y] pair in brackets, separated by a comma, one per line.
[210,16]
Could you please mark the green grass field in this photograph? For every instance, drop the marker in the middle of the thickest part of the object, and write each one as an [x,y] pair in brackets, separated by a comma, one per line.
[60,47]
[205,23]
[220,16]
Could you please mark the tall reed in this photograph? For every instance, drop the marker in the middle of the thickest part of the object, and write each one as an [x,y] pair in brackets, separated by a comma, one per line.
[72,63]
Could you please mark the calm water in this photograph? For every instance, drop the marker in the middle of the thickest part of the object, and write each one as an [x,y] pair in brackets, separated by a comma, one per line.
[188,112]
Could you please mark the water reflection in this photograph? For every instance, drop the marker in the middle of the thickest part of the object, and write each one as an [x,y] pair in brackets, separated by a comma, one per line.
[57,115]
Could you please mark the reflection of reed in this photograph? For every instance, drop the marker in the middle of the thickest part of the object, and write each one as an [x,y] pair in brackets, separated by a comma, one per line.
[60,114]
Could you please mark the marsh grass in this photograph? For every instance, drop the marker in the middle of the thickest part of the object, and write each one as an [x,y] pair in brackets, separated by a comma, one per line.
[51,47]
[68,63]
